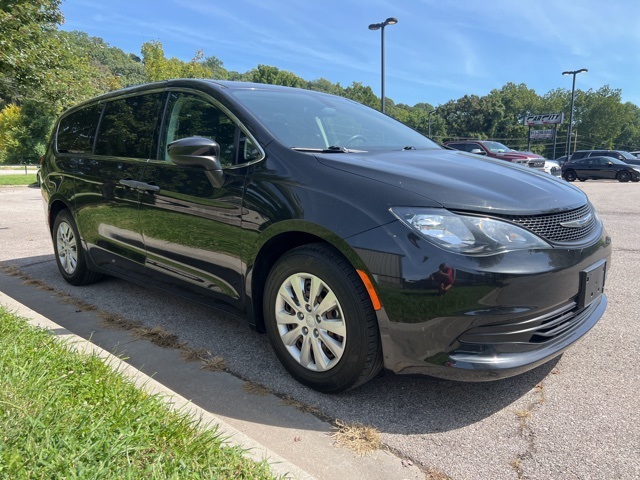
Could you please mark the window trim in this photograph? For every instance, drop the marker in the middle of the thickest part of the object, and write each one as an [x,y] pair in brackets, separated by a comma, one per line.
[224,110]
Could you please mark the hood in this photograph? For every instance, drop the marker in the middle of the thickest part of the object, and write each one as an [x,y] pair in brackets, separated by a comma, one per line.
[462,181]
[519,155]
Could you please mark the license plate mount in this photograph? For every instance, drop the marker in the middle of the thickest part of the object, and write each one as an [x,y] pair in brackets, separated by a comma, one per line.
[592,283]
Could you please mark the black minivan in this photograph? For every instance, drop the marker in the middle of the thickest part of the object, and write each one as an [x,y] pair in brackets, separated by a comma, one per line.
[353,241]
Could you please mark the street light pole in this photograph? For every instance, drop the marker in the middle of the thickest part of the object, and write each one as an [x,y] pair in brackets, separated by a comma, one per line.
[380,26]
[573,93]
[429,119]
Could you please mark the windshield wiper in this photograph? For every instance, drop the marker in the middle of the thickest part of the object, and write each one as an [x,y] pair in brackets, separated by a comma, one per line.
[331,149]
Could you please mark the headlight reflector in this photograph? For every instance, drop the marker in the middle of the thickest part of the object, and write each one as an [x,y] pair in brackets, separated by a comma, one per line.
[467,234]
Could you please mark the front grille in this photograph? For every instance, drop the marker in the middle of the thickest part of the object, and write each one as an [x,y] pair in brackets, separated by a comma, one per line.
[549,226]
[532,332]
[536,163]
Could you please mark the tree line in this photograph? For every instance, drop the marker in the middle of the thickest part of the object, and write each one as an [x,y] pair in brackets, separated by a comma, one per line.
[44,70]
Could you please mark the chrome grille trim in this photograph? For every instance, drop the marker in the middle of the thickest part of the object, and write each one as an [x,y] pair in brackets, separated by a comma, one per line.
[549,226]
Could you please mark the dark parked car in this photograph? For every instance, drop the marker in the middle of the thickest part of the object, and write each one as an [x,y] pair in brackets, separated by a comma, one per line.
[619,154]
[600,168]
[353,241]
[498,150]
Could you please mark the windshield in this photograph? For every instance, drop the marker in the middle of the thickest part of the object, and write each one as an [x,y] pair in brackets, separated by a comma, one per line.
[615,160]
[496,147]
[304,119]
[628,156]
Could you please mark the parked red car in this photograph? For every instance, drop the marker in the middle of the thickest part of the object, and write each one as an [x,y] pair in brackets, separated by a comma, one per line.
[498,150]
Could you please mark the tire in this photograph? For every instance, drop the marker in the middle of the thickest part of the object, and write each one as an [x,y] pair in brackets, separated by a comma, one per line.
[570,176]
[70,256]
[582,179]
[330,348]
[623,176]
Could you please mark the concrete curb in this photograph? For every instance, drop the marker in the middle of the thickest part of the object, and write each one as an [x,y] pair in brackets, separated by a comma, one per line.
[254,450]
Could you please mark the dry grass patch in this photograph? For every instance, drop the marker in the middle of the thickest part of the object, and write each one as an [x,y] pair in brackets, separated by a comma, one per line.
[39,284]
[68,299]
[194,354]
[435,474]
[159,336]
[117,321]
[255,389]
[10,270]
[214,364]
[302,407]
[358,438]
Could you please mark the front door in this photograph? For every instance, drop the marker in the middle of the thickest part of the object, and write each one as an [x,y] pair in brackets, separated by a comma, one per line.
[191,228]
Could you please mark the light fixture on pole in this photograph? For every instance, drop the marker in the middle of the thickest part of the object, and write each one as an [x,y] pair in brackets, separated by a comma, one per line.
[573,93]
[380,26]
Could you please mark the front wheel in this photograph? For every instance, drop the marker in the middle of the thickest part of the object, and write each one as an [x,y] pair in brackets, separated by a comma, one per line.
[570,176]
[320,320]
[70,256]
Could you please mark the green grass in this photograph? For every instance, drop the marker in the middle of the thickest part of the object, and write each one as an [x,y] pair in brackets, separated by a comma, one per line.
[18,179]
[68,415]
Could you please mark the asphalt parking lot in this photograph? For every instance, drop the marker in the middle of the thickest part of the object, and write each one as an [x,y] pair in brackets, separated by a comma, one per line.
[575,418]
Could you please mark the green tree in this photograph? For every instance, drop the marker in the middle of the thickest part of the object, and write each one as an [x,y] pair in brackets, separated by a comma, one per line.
[10,117]
[217,69]
[158,67]
[26,140]
[275,76]
[359,93]
[25,32]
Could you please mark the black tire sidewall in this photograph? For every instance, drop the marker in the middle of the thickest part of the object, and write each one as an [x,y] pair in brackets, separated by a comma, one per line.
[570,176]
[623,177]
[357,315]
[78,276]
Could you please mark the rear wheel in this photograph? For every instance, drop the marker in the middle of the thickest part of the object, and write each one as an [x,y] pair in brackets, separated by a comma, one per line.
[623,176]
[320,320]
[70,256]
[570,176]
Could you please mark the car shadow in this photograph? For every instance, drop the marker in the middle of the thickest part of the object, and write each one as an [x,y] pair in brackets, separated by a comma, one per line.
[391,403]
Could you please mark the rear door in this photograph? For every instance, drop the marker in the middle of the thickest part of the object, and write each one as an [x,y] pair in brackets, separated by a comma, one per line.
[107,192]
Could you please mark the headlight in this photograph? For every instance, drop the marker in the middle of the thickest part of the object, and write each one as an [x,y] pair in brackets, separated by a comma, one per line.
[465,233]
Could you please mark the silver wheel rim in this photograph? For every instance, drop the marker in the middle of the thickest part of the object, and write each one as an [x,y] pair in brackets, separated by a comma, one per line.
[310,322]
[67,248]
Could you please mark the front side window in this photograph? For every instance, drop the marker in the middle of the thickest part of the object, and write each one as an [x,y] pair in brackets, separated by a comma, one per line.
[190,115]
[77,130]
[128,127]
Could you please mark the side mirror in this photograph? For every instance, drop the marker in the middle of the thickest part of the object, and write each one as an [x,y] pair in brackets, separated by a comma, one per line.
[478,151]
[198,152]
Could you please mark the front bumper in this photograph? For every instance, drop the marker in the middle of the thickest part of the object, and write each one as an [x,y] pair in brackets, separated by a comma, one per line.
[502,315]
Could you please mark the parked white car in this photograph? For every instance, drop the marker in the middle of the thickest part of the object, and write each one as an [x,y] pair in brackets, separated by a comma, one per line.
[552,167]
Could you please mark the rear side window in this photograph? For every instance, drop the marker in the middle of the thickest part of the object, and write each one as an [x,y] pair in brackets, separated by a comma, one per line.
[77,130]
[128,127]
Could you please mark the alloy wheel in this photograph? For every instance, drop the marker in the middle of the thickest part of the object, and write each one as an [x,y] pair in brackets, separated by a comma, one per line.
[310,322]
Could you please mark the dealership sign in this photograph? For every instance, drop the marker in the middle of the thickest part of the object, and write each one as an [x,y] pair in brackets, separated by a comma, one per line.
[549,119]
[542,134]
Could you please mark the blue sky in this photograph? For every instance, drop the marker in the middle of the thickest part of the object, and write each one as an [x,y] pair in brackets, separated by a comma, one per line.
[440,50]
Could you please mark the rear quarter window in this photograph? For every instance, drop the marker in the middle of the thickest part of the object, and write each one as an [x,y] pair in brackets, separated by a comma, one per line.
[77,130]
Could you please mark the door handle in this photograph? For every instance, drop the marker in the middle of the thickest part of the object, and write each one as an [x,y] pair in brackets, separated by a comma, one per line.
[136,185]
